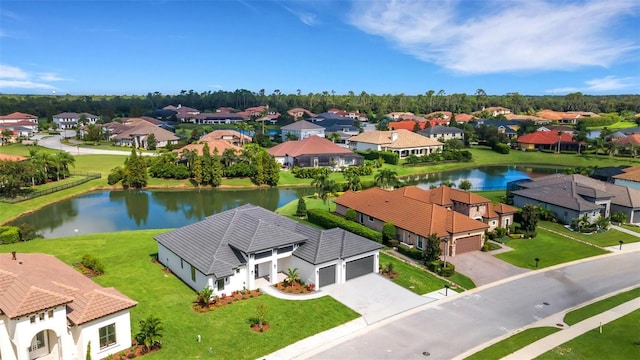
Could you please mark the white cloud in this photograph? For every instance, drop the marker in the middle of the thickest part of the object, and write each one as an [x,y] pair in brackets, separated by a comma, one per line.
[600,85]
[306,18]
[500,36]
[12,77]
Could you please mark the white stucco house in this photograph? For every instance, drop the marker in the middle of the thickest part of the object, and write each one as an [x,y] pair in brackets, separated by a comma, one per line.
[301,130]
[230,250]
[48,310]
[70,120]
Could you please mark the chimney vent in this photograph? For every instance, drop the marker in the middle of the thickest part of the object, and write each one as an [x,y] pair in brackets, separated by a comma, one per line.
[13,255]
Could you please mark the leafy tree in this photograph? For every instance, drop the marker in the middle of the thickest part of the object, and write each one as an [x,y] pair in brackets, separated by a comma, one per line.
[198,172]
[619,217]
[529,218]
[416,126]
[195,136]
[465,185]
[15,175]
[301,210]
[135,171]
[325,186]
[448,183]
[152,143]
[386,178]
[150,333]
[64,159]
[93,133]
[215,170]
[388,232]
[353,180]
[116,174]
[432,250]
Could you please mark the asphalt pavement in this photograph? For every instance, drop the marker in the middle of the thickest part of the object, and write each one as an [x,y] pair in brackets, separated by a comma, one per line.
[53,142]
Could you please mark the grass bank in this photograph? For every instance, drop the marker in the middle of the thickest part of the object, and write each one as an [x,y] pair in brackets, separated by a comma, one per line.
[128,267]
[603,239]
[585,312]
[512,343]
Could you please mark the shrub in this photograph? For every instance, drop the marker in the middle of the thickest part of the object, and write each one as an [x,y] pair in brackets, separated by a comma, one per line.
[500,232]
[327,220]
[301,210]
[387,157]
[350,215]
[9,234]
[515,236]
[115,175]
[448,271]
[501,148]
[93,263]
[411,252]
[530,234]
[394,243]
[388,232]
[485,248]
[491,235]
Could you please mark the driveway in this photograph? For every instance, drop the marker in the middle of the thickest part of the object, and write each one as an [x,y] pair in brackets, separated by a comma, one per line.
[53,142]
[484,268]
[375,297]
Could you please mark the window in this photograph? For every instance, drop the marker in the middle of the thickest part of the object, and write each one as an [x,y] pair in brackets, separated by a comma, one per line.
[263,254]
[107,335]
[41,316]
[50,314]
[371,218]
[181,264]
[32,319]
[285,249]
[193,273]
[420,240]
[38,341]
[220,284]
[506,222]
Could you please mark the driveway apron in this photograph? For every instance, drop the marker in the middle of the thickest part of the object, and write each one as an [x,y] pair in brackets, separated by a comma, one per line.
[375,297]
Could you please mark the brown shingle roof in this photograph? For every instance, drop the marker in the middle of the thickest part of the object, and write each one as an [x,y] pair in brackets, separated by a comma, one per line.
[405,139]
[225,134]
[144,127]
[28,286]
[407,213]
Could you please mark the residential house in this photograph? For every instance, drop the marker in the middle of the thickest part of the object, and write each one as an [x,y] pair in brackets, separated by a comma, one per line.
[398,115]
[557,128]
[630,177]
[464,118]
[444,116]
[336,124]
[606,173]
[247,247]
[442,133]
[11,133]
[70,120]
[507,127]
[407,124]
[300,130]
[314,151]
[48,310]
[300,113]
[137,134]
[547,140]
[630,131]
[353,114]
[219,118]
[231,136]
[496,110]
[23,120]
[574,196]
[183,113]
[569,117]
[415,220]
[403,142]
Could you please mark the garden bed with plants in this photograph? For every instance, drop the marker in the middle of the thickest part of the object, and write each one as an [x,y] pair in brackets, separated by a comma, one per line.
[216,302]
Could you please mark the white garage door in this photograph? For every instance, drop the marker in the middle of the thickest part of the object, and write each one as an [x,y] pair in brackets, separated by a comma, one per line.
[359,267]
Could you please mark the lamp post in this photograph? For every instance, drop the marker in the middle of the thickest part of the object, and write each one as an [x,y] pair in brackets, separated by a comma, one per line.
[621,242]
[446,247]
[537,260]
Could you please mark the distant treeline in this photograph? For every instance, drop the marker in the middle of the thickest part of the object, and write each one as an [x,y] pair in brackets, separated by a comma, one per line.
[375,106]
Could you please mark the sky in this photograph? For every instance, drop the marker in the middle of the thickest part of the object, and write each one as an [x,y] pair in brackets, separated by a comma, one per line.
[533,47]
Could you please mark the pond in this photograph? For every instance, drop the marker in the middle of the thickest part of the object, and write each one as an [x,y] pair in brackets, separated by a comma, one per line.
[118,210]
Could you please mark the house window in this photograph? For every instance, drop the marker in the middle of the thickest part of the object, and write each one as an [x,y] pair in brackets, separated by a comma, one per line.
[41,316]
[420,242]
[285,249]
[506,222]
[220,284]
[263,254]
[38,341]
[107,335]
[32,319]
[370,218]
[193,273]
[50,314]
[181,264]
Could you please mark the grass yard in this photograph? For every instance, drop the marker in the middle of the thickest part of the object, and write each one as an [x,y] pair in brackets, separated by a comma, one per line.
[585,312]
[618,340]
[618,125]
[512,343]
[608,238]
[494,196]
[411,277]
[128,268]
[310,201]
[463,281]
[632,228]
[550,248]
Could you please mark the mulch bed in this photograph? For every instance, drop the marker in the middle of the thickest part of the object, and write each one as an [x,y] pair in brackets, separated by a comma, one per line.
[389,275]
[222,301]
[88,272]
[135,351]
[294,288]
[258,328]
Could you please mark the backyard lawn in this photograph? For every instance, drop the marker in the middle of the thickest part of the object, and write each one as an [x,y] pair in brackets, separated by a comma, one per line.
[512,343]
[550,248]
[619,340]
[410,277]
[608,238]
[225,332]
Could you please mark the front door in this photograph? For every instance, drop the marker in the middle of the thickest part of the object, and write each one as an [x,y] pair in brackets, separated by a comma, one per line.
[39,345]
[256,270]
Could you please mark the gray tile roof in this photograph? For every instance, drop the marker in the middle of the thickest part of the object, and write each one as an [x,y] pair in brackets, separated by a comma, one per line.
[440,130]
[215,246]
[302,125]
[563,195]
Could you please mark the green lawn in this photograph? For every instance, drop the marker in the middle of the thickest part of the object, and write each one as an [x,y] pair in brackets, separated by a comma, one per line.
[411,277]
[615,126]
[463,281]
[608,238]
[128,268]
[585,312]
[618,340]
[632,228]
[494,196]
[550,248]
[512,343]
[311,203]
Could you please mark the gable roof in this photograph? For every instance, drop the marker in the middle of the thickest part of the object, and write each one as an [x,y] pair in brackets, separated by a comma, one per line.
[224,135]
[631,173]
[221,145]
[302,125]
[307,146]
[440,130]
[425,219]
[144,127]
[17,116]
[633,139]
[406,124]
[405,139]
[27,287]
[496,210]
[444,195]
[215,246]
[544,138]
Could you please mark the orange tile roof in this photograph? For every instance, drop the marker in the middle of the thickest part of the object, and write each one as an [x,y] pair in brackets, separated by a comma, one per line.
[633,139]
[405,124]
[5,157]
[222,134]
[407,213]
[443,195]
[544,138]
[464,117]
[17,115]
[221,145]
[310,145]
[27,287]
[495,210]
[632,174]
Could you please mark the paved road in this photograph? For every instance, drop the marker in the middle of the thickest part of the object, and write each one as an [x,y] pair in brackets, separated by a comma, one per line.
[456,326]
[53,142]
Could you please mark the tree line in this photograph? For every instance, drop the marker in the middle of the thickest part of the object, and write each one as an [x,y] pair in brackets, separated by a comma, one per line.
[374,105]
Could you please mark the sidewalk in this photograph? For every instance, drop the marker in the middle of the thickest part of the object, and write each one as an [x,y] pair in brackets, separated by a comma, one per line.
[554,340]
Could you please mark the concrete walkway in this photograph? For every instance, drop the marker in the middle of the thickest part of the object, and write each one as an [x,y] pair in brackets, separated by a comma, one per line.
[554,340]
[630,232]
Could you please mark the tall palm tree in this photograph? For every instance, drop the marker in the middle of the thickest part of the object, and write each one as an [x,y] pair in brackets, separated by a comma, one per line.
[64,160]
[386,178]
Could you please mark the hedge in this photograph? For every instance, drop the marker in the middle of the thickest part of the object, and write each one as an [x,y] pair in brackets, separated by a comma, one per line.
[9,234]
[93,264]
[389,157]
[411,252]
[326,220]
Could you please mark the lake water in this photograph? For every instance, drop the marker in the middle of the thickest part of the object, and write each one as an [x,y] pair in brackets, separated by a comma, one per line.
[107,211]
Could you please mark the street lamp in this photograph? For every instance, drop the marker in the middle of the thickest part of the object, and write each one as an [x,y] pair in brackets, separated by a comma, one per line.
[446,247]
[621,242]
[537,260]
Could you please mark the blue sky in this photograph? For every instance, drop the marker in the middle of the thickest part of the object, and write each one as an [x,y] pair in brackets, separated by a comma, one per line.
[383,47]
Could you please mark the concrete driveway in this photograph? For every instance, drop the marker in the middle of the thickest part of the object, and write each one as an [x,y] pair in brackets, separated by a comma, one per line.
[375,297]
[484,268]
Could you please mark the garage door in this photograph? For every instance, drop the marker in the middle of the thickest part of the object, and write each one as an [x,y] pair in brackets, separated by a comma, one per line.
[466,244]
[327,275]
[636,217]
[359,267]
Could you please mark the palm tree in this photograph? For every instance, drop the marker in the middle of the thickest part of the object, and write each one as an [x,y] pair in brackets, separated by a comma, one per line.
[64,160]
[353,182]
[448,183]
[150,333]
[292,276]
[559,140]
[465,185]
[386,178]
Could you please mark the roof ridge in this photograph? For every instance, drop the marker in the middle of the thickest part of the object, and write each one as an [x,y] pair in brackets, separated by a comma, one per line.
[315,257]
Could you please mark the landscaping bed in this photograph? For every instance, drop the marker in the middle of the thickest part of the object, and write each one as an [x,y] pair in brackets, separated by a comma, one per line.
[295,287]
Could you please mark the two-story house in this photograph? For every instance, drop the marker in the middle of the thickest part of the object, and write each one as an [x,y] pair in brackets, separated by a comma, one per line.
[70,120]
[300,130]
[401,141]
